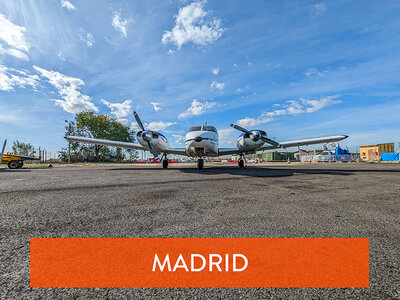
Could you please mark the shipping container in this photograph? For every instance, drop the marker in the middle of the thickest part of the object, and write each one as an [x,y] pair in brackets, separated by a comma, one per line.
[389,156]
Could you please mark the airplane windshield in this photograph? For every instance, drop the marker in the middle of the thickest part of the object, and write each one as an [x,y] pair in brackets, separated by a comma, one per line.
[203,128]
[195,128]
[209,128]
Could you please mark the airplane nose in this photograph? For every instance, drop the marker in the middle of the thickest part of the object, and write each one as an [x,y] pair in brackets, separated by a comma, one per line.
[198,139]
[146,136]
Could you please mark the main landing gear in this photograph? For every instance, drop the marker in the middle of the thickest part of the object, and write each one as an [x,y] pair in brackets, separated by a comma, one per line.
[200,164]
[164,161]
[242,161]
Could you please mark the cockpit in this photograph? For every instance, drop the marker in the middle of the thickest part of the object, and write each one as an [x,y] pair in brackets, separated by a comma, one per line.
[203,128]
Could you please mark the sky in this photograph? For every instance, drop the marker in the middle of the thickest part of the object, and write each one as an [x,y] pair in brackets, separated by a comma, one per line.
[296,69]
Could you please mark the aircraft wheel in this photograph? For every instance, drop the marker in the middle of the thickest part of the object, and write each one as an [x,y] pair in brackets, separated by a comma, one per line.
[20,164]
[241,163]
[200,164]
[13,164]
[165,163]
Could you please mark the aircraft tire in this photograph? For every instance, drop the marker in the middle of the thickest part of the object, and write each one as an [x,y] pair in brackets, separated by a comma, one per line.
[165,163]
[20,164]
[13,164]
[241,163]
[200,164]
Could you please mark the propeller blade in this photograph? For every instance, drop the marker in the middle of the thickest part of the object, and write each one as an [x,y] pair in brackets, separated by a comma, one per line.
[269,141]
[152,149]
[240,128]
[138,120]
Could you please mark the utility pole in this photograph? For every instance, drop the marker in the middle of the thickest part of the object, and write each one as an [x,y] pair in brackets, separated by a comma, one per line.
[69,143]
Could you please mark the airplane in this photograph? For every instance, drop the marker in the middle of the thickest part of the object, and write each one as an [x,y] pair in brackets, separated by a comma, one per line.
[202,141]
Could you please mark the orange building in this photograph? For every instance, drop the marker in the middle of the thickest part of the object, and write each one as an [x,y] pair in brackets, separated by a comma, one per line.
[373,152]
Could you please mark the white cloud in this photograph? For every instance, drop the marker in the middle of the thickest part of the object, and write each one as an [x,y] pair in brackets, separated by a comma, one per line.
[14,52]
[277,112]
[217,85]
[249,122]
[314,72]
[215,71]
[318,8]
[61,56]
[156,106]
[88,38]
[179,139]
[315,105]
[14,36]
[293,107]
[196,108]
[192,25]
[158,126]
[68,5]
[134,126]
[120,110]
[226,135]
[120,24]
[68,88]
[9,78]
[235,65]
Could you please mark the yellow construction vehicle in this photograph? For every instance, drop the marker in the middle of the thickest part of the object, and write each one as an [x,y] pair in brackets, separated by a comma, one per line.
[14,161]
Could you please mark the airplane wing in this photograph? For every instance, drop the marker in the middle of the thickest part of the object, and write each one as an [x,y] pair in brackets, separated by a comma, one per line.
[78,139]
[228,151]
[178,151]
[126,145]
[305,142]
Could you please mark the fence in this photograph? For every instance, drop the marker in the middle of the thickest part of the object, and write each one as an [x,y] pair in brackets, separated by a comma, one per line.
[329,158]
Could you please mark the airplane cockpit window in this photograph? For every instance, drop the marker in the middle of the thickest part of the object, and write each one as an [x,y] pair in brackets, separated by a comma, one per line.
[203,128]
[209,128]
[195,128]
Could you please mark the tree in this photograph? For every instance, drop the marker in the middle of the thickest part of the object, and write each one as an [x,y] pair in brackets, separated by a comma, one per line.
[99,126]
[21,148]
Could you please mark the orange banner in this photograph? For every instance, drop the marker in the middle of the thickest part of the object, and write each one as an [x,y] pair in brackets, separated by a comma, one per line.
[191,262]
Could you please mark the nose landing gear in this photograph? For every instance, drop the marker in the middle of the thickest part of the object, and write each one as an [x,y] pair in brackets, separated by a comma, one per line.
[200,164]
[242,161]
[164,161]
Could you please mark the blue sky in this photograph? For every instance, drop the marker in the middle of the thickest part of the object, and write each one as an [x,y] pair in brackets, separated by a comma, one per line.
[296,69]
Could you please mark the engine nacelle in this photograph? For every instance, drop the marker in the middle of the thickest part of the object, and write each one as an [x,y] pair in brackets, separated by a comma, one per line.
[158,140]
[251,142]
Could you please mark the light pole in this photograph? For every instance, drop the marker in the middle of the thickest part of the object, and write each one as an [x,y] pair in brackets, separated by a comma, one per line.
[69,143]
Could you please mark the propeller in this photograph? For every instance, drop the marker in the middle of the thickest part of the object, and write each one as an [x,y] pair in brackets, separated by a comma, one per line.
[256,135]
[146,135]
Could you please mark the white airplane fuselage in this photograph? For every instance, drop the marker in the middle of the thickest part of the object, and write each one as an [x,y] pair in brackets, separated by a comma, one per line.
[201,141]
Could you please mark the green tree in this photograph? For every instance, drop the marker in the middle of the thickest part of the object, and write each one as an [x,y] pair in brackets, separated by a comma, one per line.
[21,148]
[98,126]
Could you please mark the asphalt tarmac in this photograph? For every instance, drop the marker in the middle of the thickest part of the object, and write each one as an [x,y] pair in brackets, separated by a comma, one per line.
[269,200]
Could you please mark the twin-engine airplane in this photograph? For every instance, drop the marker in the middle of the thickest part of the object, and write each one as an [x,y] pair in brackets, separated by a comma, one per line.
[202,141]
